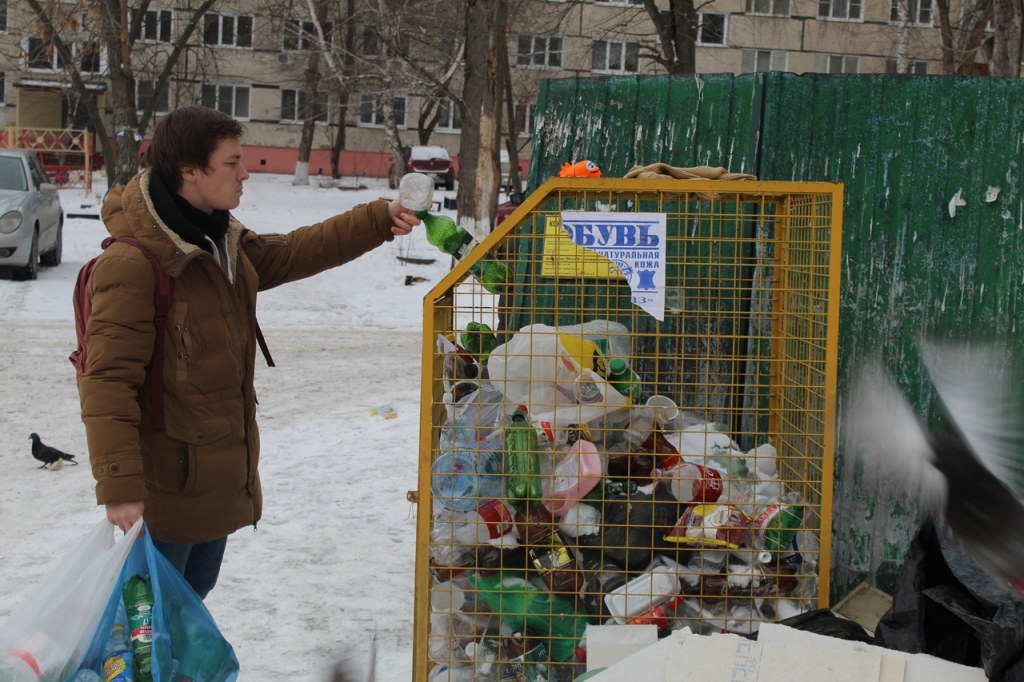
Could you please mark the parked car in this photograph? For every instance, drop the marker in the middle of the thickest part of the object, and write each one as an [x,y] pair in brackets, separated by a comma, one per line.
[31,219]
[432,161]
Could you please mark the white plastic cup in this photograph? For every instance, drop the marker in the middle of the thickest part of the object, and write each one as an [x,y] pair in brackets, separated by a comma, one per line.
[666,412]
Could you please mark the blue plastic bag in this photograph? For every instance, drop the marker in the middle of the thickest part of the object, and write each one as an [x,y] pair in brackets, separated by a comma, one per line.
[187,645]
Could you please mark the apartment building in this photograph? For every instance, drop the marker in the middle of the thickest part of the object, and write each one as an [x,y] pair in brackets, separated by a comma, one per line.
[249,56]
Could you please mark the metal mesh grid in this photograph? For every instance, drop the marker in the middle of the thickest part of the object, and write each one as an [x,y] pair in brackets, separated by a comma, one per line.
[510,573]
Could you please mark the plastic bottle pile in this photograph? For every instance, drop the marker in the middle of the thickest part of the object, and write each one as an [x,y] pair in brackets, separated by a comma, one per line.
[561,500]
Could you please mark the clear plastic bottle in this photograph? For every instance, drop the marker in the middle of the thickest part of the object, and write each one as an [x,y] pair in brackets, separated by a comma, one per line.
[464,479]
[118,663]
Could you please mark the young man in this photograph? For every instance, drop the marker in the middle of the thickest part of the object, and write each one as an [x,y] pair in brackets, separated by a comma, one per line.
[196,480]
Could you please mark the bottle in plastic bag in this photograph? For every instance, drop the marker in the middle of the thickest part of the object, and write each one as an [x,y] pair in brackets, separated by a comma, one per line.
[465,479]
[84,675]
[138,602]
[118,665]
[522,463]
[456,541]
[16,669]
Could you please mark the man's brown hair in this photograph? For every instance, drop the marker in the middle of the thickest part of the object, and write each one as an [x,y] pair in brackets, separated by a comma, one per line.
[187,137]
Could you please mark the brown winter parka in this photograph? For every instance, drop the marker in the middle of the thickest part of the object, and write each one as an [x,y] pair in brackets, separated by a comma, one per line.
[198,478]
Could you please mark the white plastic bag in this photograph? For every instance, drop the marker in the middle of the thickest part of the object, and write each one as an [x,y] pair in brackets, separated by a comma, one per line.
[51,630]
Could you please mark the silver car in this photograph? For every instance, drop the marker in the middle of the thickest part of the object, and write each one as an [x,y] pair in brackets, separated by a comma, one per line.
[31,219]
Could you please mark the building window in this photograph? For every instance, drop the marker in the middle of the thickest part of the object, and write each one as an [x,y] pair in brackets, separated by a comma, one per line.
[836,63]
[227,30]
[918,67]
[768,7]
[293,106]
[144,94]
[371,112]
[301,35]
[710,29]
[540,51]
[233,100]
[840,9]
[764,60]
[3,88]
[89,58]
[156,26]
[371,41]
[612,56]
[42,55]
[450,118]
[525,116]
[3,15]
[919,12]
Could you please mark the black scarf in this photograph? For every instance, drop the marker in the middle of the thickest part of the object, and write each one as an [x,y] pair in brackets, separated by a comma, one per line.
[187,221]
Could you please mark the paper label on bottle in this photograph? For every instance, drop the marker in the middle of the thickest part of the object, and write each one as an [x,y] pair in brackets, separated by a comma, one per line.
[554,557]
[497,517]
[709,487]
[464,249]
[567,474]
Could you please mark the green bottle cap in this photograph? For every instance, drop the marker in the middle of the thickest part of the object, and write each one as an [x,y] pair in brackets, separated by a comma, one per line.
[617,366]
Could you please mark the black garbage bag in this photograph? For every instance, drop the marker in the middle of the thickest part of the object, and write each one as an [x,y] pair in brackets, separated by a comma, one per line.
[633,527]
[947,606]
[825,622]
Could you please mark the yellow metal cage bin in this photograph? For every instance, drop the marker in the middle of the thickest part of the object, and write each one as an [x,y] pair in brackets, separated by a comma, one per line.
[583,462]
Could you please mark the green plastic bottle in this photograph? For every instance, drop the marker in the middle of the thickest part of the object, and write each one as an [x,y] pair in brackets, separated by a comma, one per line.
[522,463]
[479,340]
[623,379]
[443,233]
[138,601]
[521,606]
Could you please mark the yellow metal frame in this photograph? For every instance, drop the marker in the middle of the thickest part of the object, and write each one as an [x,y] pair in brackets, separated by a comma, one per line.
[52,140]
[810,207]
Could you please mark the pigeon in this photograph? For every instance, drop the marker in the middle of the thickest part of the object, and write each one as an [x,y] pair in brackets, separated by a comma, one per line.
[968,461]
[47,455]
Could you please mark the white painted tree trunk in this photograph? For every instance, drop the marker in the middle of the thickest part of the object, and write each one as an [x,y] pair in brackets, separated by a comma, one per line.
[301,173]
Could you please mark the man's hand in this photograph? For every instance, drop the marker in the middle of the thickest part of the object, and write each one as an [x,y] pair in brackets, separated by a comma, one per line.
[402,220]
[124,514]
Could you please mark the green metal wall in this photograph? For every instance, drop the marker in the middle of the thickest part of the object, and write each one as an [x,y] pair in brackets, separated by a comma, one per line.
[903,146]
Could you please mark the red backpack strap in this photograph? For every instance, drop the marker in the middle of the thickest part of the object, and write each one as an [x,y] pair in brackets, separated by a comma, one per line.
[264,348]
[163,296]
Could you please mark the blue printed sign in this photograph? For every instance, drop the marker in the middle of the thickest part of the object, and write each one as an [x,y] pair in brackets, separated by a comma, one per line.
[634,243]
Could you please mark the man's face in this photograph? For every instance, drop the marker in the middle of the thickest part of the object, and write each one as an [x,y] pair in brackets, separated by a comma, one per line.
[219,185]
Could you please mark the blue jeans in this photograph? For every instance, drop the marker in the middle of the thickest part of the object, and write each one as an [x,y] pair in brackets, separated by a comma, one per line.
[199,564]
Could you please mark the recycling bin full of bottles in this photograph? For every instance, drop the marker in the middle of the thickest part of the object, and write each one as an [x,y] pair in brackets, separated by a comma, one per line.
[626,436]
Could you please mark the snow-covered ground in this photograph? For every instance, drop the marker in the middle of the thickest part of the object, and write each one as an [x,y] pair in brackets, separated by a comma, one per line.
[332,560]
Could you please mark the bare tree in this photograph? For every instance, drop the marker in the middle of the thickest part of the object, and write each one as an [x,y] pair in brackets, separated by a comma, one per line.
[1006,20]
[961,40]
[677,35]
[119,27]
[310,87]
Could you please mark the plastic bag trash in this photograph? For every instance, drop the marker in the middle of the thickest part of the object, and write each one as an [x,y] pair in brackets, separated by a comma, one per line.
[55,625]
[186,641]
[946,605]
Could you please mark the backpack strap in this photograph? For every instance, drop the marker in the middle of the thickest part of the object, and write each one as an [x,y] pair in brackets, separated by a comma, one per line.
[264,348]
[162,299]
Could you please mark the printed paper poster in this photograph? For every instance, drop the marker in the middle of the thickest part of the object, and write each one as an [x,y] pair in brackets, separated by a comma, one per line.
[635,245]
